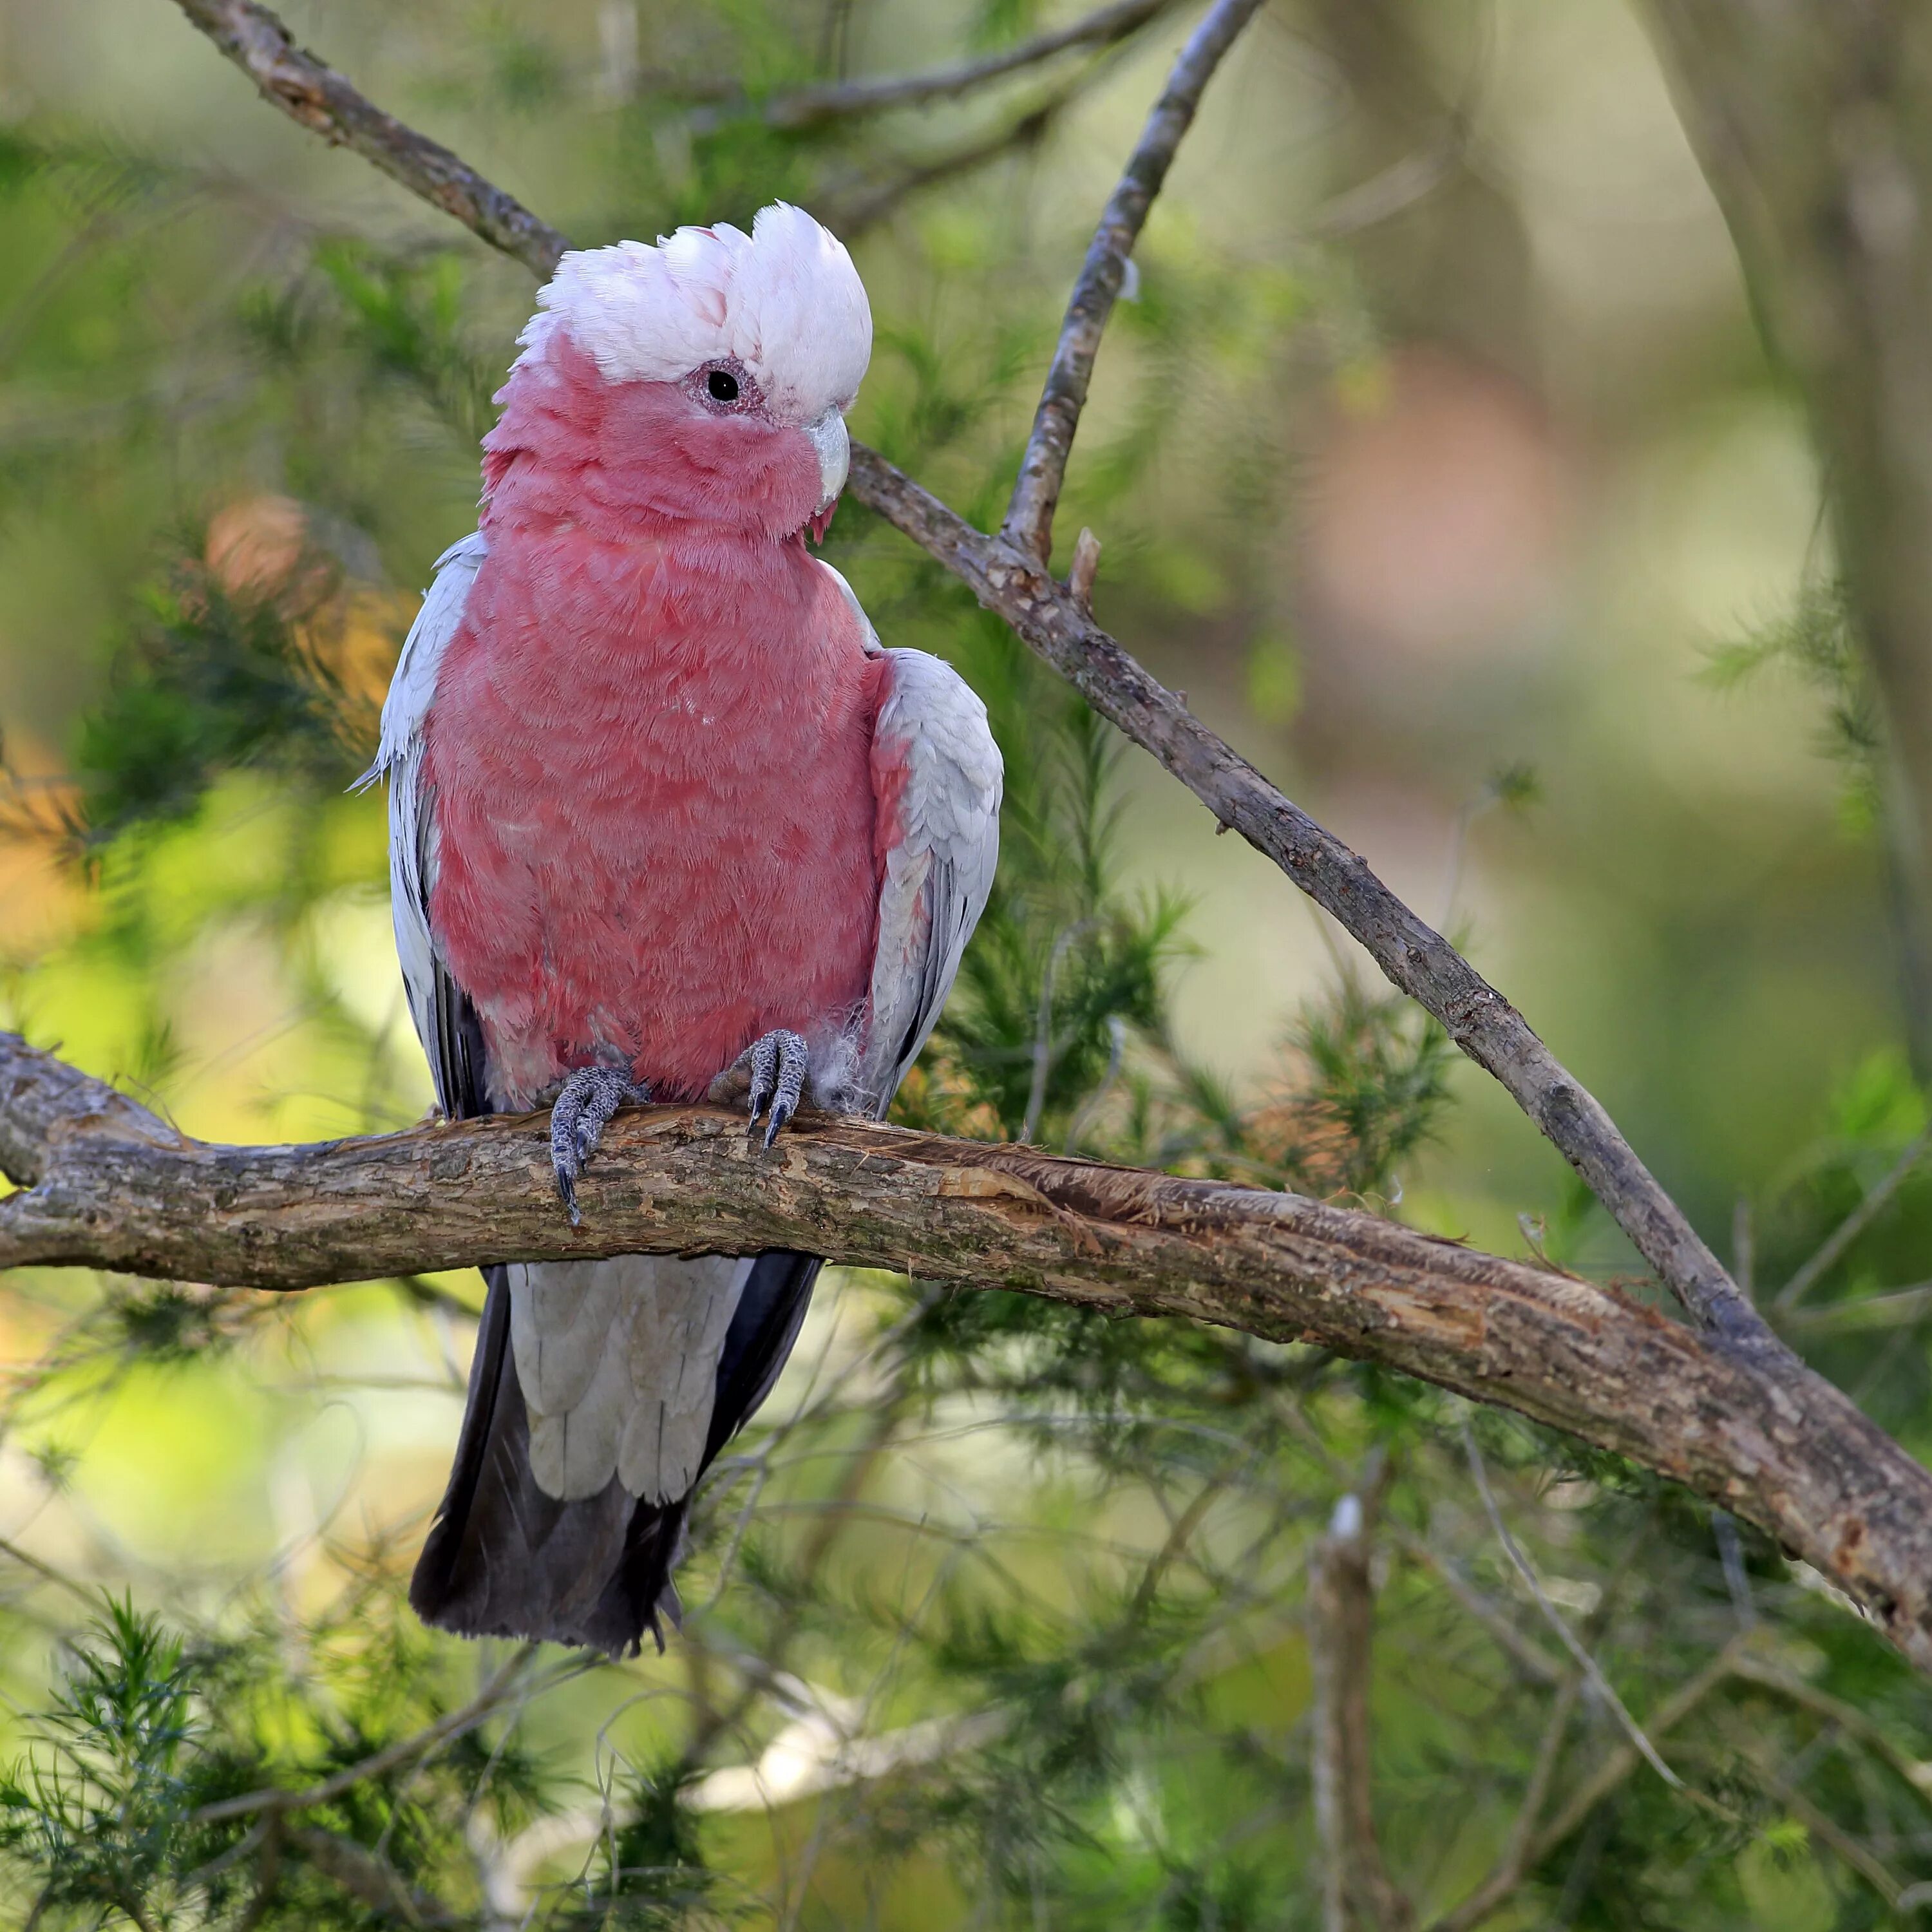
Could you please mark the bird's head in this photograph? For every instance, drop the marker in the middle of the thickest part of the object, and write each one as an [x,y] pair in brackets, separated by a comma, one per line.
[706,378]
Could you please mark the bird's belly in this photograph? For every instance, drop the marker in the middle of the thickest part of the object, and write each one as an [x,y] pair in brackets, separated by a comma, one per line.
[662,893]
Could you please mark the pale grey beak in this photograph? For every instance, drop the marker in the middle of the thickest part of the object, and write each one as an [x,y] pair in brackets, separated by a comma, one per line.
[834,446]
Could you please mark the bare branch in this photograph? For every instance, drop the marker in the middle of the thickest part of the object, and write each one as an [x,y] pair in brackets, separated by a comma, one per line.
[1417,960]
[851,210]
[1584,1661]
[1029,523]
[1050,619]
[318,97]
[1759,1435]
[1506,1877]
[1357,1893]
[806,107]
[1617,1765]
[1903,1308]
[1528,1657]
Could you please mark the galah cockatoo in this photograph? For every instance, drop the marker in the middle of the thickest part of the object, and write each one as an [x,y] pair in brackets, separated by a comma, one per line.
[665,821]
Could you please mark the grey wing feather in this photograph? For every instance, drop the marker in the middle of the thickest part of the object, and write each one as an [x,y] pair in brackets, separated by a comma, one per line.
[937,773]
[443,1021]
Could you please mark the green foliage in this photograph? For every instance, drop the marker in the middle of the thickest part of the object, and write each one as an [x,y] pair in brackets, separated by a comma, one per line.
[99,1817]
[210,680]
[1818,641]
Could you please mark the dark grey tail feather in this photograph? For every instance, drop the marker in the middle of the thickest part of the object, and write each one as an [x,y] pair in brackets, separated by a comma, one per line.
[504,1559]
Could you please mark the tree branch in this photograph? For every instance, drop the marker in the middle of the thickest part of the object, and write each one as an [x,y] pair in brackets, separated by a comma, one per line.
[1029,522]
[1055,622]
[1418,960]
[1357,1895]
[806,107]
[293,80]
[1762,1436]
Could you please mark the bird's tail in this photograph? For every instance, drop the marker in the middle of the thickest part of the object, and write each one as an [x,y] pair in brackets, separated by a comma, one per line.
[504,1558]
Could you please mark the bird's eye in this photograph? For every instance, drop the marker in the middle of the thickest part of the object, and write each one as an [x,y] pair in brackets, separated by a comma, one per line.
[723,385]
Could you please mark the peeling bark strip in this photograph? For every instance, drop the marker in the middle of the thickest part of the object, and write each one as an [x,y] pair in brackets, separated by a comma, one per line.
[107,1185]
[1053,622]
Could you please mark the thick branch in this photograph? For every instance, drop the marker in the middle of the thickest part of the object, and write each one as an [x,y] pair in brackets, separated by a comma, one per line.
[1763,1436]
[1055,622]
[1029,523]
[318,97]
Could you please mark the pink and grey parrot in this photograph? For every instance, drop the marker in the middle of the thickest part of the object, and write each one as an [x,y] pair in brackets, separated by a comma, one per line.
[665,821]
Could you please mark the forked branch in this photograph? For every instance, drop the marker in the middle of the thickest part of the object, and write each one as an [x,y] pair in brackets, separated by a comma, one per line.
[1055,622]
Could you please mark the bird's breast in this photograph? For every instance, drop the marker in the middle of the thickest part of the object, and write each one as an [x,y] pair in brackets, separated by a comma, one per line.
[653,810]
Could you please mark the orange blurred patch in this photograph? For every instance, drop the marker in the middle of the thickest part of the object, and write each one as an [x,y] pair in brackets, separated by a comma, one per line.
[258,546]
[259,550]
[42,901]
[1440,514]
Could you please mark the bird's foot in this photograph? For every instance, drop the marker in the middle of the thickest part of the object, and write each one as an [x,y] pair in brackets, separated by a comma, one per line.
[578,1116]
[772,1068]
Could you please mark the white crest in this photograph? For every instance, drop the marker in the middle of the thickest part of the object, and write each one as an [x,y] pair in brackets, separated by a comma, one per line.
[784,301]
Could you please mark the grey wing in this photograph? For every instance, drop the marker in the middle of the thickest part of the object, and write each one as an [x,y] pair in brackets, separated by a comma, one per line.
[937,773]
[444,1021]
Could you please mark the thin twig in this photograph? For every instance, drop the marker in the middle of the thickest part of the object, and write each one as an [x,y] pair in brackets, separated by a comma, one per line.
[1029,520]
[1902,1308]
[1042,1045]
[804,107]
[1617,1765]
[1528,1656]
[1585,1661]
[46,1570]
[378,1762]
[1773,1677]
[1822,1826]
[852,210]
[1506,1877]
[1841,1238]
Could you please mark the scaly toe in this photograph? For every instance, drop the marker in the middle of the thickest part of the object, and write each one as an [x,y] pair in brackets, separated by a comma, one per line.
[792,1064]
[762,1053]
[578,1117]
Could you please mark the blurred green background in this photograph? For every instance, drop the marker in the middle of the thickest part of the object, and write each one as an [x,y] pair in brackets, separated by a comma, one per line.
[1439,463]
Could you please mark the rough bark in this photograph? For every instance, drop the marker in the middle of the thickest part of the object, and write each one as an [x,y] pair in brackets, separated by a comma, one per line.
[108,1185]
[1813,122]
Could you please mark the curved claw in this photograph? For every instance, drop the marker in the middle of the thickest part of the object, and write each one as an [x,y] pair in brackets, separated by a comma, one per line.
[775,1065]
[577,1118]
